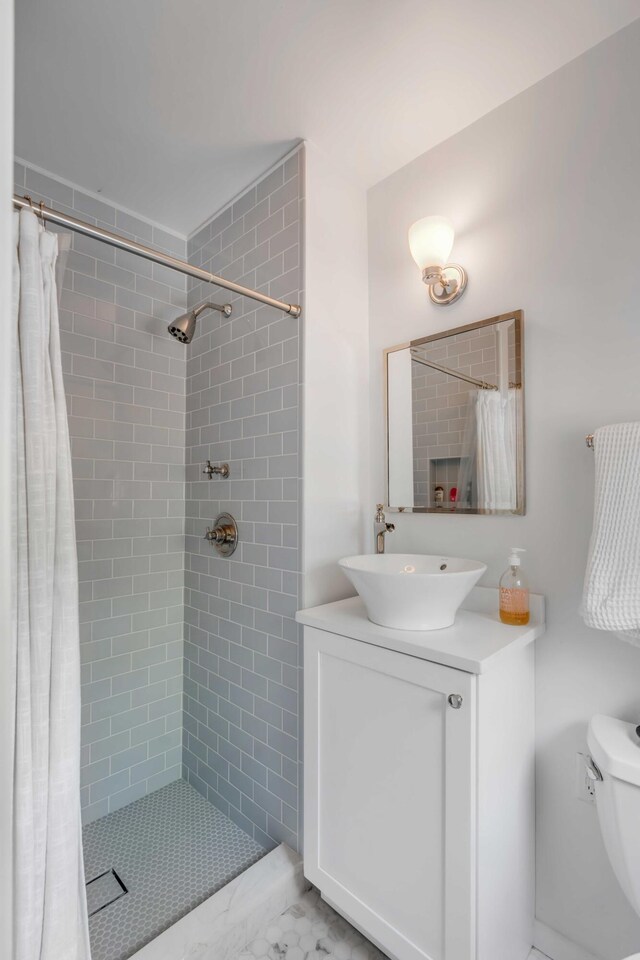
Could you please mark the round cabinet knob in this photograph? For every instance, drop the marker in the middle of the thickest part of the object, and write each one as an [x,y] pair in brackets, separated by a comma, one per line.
[454,700]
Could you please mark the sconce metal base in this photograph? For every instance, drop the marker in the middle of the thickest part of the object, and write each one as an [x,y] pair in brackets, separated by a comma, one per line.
[450,286]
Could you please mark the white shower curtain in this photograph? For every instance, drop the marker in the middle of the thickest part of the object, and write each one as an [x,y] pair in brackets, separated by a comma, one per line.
[489,463]
[49,892]
[496,452]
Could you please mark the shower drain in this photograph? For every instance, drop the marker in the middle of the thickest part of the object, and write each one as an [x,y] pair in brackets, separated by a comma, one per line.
[104,890]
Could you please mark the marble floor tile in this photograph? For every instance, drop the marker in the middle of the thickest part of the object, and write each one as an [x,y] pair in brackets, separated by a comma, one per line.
[310,930]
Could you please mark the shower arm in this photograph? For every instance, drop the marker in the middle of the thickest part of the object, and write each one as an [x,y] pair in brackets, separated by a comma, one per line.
[224,308]
[139,250]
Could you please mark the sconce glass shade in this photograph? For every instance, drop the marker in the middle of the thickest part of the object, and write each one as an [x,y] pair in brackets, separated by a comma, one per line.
[430,241]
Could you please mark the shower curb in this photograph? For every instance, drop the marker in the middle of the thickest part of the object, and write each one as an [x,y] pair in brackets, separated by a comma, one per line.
[220,926]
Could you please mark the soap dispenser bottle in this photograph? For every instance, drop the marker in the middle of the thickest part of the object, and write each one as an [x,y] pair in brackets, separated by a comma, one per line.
[514,592]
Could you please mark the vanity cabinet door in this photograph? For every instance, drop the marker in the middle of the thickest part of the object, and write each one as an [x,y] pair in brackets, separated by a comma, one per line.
[390,795]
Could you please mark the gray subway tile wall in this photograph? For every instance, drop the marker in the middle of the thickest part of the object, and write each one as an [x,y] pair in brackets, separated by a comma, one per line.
[242,650]
[125,385]
[235,735]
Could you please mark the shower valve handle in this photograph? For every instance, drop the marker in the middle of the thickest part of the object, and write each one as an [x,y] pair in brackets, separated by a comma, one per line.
[224,535]
[220,534]
[210,470]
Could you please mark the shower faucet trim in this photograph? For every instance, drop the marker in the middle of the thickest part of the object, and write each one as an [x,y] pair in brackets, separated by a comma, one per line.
[222,470]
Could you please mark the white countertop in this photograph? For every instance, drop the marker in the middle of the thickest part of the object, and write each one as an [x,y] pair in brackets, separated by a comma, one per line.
[475,641]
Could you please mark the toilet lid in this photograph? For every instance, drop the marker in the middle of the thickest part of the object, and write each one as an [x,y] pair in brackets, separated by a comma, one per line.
[615,747]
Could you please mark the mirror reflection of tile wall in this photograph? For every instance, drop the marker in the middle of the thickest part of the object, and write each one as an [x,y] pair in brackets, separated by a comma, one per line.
[440,408]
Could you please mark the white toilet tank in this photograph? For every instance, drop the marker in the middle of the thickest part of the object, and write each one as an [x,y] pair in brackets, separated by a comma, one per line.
[615,747]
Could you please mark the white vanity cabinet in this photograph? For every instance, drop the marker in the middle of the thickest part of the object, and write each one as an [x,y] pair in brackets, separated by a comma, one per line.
[418,790]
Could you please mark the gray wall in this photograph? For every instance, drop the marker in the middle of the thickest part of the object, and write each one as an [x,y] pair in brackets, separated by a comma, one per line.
[125,386]
[540,190]
[242,643]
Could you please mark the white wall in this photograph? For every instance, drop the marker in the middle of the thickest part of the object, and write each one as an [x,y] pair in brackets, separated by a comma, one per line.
[7,631]
[335,375]
[545,196]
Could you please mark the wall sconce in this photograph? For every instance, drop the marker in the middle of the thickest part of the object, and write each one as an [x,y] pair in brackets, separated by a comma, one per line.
[430,242]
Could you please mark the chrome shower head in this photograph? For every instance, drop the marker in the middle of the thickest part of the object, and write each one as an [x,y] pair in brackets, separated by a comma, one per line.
[184,326]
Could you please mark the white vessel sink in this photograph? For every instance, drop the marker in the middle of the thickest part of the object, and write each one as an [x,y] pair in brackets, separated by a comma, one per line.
[408,591]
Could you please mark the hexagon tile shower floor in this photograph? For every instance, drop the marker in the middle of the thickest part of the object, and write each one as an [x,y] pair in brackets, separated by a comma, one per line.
[172,849]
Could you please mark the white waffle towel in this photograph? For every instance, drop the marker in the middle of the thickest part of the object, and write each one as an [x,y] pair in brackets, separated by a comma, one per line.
[611,599]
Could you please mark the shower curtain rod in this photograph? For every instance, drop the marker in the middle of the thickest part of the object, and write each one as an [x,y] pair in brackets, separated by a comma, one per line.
[452,373]
[166,260]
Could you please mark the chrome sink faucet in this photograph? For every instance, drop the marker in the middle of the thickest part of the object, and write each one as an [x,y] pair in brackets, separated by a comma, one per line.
[380,528]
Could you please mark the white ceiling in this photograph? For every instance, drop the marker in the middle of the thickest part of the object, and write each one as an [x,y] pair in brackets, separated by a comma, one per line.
[171,107]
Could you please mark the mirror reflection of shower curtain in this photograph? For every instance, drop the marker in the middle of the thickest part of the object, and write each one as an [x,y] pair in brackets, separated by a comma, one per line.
[488,474]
